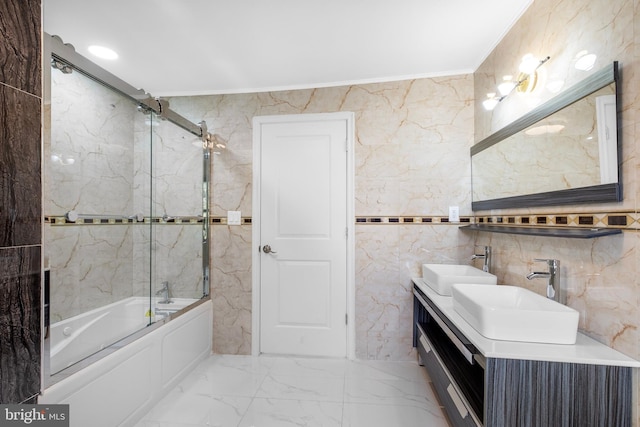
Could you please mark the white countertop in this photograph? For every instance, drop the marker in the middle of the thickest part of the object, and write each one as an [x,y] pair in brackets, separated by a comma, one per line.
[586,350]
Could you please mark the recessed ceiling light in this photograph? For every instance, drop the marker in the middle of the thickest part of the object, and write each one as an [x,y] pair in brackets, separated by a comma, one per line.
[103,52]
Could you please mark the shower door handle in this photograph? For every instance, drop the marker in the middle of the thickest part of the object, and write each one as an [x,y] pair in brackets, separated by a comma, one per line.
[267,250]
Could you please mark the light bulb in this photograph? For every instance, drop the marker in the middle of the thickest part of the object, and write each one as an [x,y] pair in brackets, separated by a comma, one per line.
[529,64]
[490,104]
[506,87]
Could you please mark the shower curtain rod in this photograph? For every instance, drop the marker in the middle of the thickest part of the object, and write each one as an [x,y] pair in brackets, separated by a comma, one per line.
[66,54]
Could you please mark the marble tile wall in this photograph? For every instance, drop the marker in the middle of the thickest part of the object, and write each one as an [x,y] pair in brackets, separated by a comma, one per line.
[602,276]
[20,200]
[89,162]
[105,159]
[88,168]
[411,157]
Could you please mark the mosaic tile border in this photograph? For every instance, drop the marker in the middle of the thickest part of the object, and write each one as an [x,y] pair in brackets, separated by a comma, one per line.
[222,220]
[618,220]
[431,220]
[625,220]
[110,220]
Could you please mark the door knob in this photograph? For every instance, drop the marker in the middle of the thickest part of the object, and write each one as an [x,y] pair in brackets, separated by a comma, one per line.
[267,250]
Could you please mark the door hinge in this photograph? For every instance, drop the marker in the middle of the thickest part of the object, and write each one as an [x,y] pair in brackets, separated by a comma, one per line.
[346,145]
[346,319]
[346,232]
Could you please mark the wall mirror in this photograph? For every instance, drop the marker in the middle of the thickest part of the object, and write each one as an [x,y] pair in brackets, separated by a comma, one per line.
[566,151]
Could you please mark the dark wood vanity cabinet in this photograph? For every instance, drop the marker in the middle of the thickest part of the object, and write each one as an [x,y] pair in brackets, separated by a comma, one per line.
[492,392]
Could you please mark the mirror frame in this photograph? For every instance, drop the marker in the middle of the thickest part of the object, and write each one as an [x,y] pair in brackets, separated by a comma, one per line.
[592,194]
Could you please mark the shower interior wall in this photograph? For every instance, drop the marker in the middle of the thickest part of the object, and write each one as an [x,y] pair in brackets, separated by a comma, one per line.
[106,159]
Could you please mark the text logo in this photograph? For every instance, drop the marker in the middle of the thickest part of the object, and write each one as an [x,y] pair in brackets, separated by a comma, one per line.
[34,415]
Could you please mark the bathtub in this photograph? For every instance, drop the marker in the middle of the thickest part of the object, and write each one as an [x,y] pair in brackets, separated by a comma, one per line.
[80,336]
[119,389]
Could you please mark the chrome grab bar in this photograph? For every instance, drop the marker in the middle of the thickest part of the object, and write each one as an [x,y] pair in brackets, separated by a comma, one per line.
[73,216]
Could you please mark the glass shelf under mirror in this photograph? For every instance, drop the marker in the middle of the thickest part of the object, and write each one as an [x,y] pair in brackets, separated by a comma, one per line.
[574,232]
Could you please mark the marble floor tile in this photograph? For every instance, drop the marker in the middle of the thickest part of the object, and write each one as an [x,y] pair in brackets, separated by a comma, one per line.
[400,392]
[224,381]
[245,391]
[298,387]
[294,413]
[327,368]
[197,410]
[381,370]
[375,415]
[257,365]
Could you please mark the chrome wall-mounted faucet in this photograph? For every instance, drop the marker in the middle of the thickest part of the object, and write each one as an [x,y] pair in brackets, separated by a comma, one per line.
[165,292]
[485,256]
[554,291]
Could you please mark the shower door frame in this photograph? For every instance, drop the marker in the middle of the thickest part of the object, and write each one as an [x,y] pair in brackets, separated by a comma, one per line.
[55,49]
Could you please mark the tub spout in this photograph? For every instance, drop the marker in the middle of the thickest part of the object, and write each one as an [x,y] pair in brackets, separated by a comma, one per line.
[165,293]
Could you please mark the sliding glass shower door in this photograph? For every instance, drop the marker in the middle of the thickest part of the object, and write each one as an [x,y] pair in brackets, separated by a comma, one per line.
[176,204]
[125,201]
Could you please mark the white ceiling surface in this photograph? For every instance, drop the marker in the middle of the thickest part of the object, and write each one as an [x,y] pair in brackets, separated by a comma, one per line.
[198,47]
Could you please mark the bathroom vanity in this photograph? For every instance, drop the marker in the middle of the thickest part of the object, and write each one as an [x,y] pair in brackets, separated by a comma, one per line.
[485,382]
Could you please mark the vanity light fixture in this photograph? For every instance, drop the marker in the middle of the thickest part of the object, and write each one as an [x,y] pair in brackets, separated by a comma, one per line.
[506,86]
[527,79]
[491,101]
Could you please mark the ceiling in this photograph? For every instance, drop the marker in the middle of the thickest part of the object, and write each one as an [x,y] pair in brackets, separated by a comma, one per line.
[198,47]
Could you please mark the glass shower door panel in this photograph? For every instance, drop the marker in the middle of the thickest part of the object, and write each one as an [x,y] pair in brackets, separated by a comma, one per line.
[177,205]
[89,169]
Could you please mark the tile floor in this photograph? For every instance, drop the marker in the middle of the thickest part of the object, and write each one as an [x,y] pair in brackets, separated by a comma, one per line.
[244,391]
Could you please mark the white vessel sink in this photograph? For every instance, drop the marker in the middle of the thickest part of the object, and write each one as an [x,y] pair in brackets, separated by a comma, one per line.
[512,313]
[440,277]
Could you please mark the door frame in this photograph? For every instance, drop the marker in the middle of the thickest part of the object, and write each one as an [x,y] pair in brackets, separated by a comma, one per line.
[258,121]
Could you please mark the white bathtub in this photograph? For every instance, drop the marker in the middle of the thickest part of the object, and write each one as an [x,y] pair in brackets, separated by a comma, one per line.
[122,387]
[80,336]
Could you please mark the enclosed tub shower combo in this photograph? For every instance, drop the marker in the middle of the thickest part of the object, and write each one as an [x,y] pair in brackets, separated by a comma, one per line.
[126,194]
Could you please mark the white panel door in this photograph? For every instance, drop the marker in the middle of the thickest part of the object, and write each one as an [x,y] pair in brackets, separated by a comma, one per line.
[303,221]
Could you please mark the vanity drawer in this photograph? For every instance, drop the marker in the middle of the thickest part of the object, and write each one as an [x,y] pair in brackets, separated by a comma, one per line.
[450,397]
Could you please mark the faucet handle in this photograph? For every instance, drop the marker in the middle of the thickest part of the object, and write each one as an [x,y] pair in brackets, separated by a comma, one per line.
[485,248]
[552,263]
